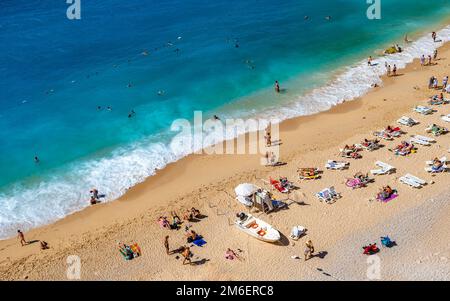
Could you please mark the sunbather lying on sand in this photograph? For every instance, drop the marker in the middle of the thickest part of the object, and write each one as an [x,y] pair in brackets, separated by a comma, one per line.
[404,148]
[191,236]
[231,255]
[163,222]
[385,193]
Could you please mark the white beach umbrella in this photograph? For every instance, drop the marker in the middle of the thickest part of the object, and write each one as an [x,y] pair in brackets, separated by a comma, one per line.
[245,189]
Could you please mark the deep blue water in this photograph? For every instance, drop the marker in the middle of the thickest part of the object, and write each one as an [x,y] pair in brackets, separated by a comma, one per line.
[55,72]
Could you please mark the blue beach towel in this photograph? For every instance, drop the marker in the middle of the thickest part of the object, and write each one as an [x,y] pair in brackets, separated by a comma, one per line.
[199,242]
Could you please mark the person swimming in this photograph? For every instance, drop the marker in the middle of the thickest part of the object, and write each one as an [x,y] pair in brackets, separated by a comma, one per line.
[36,159]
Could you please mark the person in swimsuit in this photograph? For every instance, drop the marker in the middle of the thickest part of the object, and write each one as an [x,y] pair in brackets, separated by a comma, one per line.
[21,238]
[277,87]
[187,255]
[166,244]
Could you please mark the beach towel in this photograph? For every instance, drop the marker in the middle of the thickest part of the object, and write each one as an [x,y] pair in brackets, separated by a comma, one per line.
[393,196]
[199,242]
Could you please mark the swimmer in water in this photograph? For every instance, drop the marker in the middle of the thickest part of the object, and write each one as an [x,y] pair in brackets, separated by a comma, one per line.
[216,117]
[36,159]
[131,114]
[328,18]
[277,87]
[129,85]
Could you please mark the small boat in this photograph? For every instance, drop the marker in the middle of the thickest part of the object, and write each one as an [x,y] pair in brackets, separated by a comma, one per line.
[257,228]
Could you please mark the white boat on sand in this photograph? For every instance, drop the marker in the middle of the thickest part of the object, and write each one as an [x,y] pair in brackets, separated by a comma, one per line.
[257,228]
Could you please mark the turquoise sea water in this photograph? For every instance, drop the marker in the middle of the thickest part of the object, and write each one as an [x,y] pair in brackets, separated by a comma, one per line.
[220,57]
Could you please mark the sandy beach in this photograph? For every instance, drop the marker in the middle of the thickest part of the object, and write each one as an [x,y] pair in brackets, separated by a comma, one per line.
[417,220]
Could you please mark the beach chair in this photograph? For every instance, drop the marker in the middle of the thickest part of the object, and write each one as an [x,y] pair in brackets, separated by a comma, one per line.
[412,181]
[336,165]
[423,110]
[310,173]
[422,140]
[404,120]
[430,168]
[446,118]
[383,170]
[328,195]
[436,130]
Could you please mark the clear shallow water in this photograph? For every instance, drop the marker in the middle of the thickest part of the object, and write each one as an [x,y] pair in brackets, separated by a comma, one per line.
[90,62]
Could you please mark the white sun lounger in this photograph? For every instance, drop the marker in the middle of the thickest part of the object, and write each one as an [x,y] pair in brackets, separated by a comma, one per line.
[422,140]
[385,169]
[336,164]
[404,120]
[442,169]
[413,181]
[423,110]
[419,141]
[446,118]
[328,195]
[443,160]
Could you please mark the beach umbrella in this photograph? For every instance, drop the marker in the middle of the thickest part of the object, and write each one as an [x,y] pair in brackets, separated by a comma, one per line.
[245,189]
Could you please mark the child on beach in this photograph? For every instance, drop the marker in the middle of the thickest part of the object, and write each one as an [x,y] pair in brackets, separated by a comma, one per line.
[309,250]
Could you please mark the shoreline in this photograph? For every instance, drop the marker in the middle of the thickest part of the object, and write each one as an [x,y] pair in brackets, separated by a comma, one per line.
[442,27]
[196,179]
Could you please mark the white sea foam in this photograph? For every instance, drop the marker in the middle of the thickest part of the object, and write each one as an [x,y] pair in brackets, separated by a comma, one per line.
[29,206]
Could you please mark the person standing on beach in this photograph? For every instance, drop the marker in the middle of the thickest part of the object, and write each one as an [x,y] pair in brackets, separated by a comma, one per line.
[394,70]
[422,60]
[435,53]
[309,250]
[277,87]
[433,35]
[21,238]
[166,244]
[369,61]
[429,60]
[388,69]
[444,82]
[187,255]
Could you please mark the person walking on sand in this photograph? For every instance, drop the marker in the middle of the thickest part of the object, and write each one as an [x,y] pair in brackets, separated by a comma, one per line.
[422,60]
[309,250]
[21,238]
[166,244]
[277,87]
